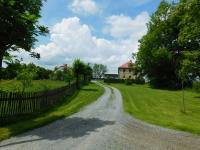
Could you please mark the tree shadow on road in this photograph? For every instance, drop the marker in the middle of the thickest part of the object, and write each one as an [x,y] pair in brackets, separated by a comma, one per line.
[62,129]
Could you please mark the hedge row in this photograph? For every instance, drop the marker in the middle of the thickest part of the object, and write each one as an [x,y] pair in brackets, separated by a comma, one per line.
[126,81]
[196,86]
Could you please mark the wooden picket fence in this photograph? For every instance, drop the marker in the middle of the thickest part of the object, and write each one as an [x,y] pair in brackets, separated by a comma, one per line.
[15,105]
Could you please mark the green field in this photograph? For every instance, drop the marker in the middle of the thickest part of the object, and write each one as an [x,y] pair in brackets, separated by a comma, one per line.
[37,85]
[162,107]
[86,95]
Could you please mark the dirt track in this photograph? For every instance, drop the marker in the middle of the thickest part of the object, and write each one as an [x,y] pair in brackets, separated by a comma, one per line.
[102,126]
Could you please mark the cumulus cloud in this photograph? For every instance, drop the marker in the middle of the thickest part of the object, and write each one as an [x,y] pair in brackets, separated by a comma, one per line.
[121,26]
[141,2]
[84,7]
[70,39]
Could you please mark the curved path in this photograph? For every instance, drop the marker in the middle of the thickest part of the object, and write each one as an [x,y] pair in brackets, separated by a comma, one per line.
[102,126]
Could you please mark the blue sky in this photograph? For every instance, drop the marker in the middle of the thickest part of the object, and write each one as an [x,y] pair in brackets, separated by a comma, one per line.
[54,11]
[96,31]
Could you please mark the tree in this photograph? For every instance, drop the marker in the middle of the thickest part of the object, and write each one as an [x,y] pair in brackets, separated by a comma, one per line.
[87,74]
[19,26]
[173,30]
[26,76]
[156,57]
[188,72]
[68,74]
[78,69]
[189,35]
[12,69]
[183,74]
[43,73]
[99,70]
[189,24]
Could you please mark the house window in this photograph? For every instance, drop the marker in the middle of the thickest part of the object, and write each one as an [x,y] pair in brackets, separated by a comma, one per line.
[129,77]
[130,70]
[124,70]
[124,76]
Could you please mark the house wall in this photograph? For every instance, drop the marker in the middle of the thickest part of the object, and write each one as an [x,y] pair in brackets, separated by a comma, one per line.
[126,73]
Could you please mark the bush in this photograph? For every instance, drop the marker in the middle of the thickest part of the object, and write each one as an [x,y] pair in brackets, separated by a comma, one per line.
[196,86]
[113,80]
[139,81]
[26,77]
[128,81]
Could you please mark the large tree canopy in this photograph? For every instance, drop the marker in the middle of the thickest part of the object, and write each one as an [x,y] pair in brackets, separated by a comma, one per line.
[173,34]
[19,25]
[81,69]
[99,70]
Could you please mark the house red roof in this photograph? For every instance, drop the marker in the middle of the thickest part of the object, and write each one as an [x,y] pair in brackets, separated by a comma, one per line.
[126,65]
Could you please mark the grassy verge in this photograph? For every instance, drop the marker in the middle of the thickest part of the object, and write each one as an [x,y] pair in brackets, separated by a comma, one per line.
[71,105]
[162,107]
[37,85]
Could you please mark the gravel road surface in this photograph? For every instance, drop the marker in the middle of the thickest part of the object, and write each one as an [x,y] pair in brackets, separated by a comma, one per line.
[102,126]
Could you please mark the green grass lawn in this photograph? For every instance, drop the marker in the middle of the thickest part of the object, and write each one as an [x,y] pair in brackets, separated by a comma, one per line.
[162,107]
[37,85]
[86,95]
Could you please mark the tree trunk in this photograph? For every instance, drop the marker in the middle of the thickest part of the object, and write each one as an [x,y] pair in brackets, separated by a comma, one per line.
[77,81]
[183,97]
[3,49]
[85,79]
[1,62]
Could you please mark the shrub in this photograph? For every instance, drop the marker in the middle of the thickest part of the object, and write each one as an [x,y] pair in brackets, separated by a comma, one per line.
[113,80]
[26,77]
[196,86]
[139,81]
[128,81]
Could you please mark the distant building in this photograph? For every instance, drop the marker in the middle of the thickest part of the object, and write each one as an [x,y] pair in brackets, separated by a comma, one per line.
[126,71]
[63,67]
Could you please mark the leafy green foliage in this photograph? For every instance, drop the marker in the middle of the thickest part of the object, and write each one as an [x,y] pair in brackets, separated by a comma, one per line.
[68,74]
[19,26]
[15,67]
[171,45]
[87,74]
[26,76]
[196,86]
[99,70]
[128,82]
[81,70]
[114,80]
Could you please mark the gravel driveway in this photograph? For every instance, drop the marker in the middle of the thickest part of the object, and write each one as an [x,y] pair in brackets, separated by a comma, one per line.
[102,126]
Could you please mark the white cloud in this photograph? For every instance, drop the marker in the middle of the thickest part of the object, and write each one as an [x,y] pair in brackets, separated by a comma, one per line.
[122,26]
[84,7]
[141,2]
[70,39]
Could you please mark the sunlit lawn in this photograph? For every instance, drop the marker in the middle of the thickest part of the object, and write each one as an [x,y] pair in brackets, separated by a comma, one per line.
[37,85]
[162,107]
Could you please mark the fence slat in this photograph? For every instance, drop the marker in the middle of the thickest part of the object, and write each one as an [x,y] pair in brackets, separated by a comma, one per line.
[20,104]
